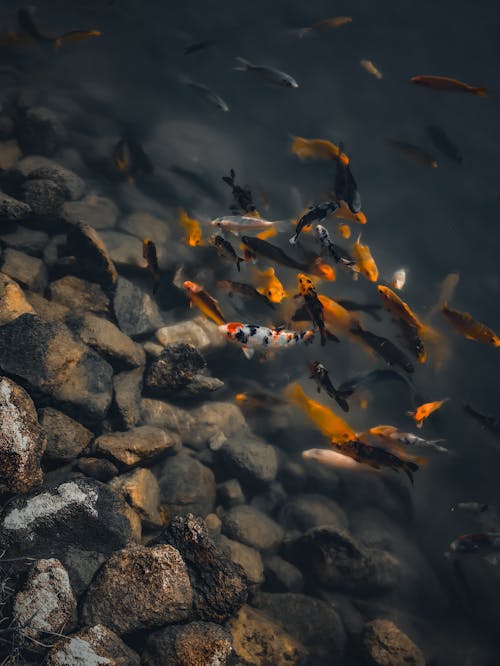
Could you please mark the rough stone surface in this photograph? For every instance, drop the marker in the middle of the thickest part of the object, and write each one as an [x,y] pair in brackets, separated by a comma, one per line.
[252,527]
[144,225]
[282,576]
[248,558]
[259,641]
[22,441]
[29,271]
[136,311]
[12,210]
[78,294]
[13,302]
[127,389]
[162,414]
[96,646]
[220,586]
[49,311]
[141,490]
[44,197]
[39,131]
[26,240]
[46,601]
[54,362]
[193,644]
[305,511]
[128,449]
[383,644]
[199,332]
[214,422]
[249,459]
[186,486]
[230,493]
[157,590]
[98,212]
[66,438]
[124,250]
[97,468]
[36,167]
[85,244]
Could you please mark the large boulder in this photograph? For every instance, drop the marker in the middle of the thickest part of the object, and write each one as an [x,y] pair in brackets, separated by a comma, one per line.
[193,644]
[383,644]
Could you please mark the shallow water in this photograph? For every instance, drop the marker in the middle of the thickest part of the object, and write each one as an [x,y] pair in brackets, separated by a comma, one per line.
[432,221]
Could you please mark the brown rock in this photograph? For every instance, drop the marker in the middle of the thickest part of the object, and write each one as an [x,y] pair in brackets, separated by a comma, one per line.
[98,212]
[66,438]
[50,311]
[29,271]
[127,389]
[78,294]
[141,490]
[193,644]
[97,468]
[248,558]
[86,245]
[12,210]
[130,448]
[92,647]
[157,590]
[26,240]
[252,527]
[383,644]
[12,300]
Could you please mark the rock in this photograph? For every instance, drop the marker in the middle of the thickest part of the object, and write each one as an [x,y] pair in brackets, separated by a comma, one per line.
[127,389]
[128,449]
[219,585]
[305,511]
[157,590]
[250,459]
[22,441]
[251,527]
[44,197]
[56,364]
[271,499]
[383,644]
[46,601]
[259,641]
[186,486]
[199,332]
[124,250]
[12,300]
[213,524]
[12,210]
[26,240]
[66,438]
[136,311]
[152,349]
[337,561]
[248,558]
[211,420]
[96,646]
[78,294]
[40,131]
[322,479]
[282,576]
[98,212]
[87,246]
[81,514]
[35,167]
[49,311]
[164,415]
[29,271]
[9,151]
[193,644]
[144,225]
[230,493]
[141,490]
[106,338]
[97,468]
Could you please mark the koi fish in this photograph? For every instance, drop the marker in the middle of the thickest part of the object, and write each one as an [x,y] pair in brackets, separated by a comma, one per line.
[263,401]
[322,378]
[491,423]
[313,304]
[268,74]
[465,324]
[369,308]
[199,46]
[149,254]
[242,196]
[397,307]
[470,507]
[368,379]
[269,286]
[344,230]
[386,349]
[262,248]
[76,36]
[246,290]
[130,160]
[254,336]
[446,291]
[338,253]
[444,144]
[415,153]
[446,83]
[412,339]
[364,260]
[376,457]
[325,24]
[331,458]
[346,188]
[485,545]
[207,94]
[320,149]
[192,227]
[424,411]
[318,212]
[370,68]
[204,302]
[398,279]
[237,223]
[391,433]
[225,249]
[344,213]
[337,317]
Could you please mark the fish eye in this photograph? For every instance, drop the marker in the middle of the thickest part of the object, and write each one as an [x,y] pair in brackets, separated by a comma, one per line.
[269,293]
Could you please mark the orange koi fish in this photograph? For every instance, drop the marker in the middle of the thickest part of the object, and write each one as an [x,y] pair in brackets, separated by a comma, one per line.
[319,149]
[192,227]
[446,83]
[425,410]
[465,324]
[204,302]
[365,262]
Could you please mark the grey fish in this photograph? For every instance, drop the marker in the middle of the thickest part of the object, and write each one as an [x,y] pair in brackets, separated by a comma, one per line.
[208,95]
[269,74]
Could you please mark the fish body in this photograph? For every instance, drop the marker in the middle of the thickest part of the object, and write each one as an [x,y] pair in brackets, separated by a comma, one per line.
[345,213]
[314,214]
[192,227]
[370,378]
[199,46]
[269,251]
[225,249]
[376,457]
[397,307]
[415,153]
[364,261]
[321,149]
[204,302]
[412,339]
[424,411]
[256,400]
[344,230]
[322,378]
[208,95]
[238,223]
[331,458]
[242,195]
[369,308]
[446,291]
[246,290]
[313,304]
[130,160]
[336,316]
[446,83]
[76,36]
[386,349]
[338,253]
[398,279]
[491,423]
[325,24]
[269,286]
[368,66]
[444,144]
[472,329]
[254,336]
[485,545]
[407,438]
[346,188]
[268,74]
[149,254]
[470,507]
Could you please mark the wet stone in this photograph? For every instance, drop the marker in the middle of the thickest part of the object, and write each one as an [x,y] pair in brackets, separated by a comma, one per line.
[35,167]
[193,644]
[213,524]
[28,271]
[136,311]
[97,468]
[252,527]
[141,490]
[281,575]
[48,311]
[230,493]
[98,212]
[13,302]
[22,441]
[158,591]
[305,511]
[133,447]
[96,646]
[9,151]
[127,389]
[199,332]
[78,294]
[214,422]
[85,244]
[44,197]
[66,438]
[144,225]
[40,131]
[26,240]
[250,459]
[123,249]
[248,558]
[12,210]
[46,601]
[383,644]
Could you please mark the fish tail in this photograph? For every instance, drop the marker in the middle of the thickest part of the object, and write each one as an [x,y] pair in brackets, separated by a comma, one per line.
[409,468]
[244,65]
[481,91]
[239,260]
[293,240]
[341,401]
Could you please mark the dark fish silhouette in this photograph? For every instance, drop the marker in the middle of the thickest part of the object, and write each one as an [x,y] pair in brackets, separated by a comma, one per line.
[444,144]
[322,378]
[386,349]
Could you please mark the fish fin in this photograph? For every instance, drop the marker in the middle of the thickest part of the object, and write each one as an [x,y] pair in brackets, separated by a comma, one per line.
[318,389]
[409,474]
[341,402]
[248,352]
[239,260]
[491,559]
[481,91]
[293,240]
[244,65]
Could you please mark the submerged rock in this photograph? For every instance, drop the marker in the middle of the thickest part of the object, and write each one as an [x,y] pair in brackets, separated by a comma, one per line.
[85,244]
[193,644]
[252,527]
[46,601]
[281,575]
[250,459]
[248,558]
[26,240]
[157,590]
[29,271]
[40,131]
[44,197]
[78,294]
[127,389]
[141,490]
[22,441]
[136,311]
[13,302]
[36,167]
[230,493]
[98,212]
[97,468]
[144,225]
[219,585]
[66,438]
[383,644]
[12,210]
[199,332]
[303,512]
[135,446]
[96,646]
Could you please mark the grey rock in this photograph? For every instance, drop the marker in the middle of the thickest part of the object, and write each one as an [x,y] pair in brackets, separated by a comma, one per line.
[133,447]
[141,490]
[162,414]
[305,511]
[40,131]
[250,459]
[44,197]
[82,566]
[56,364]
[12,210]
[29,271]
[186,486]
[219,585]
[98,212]
[94,646]
[251,527]
[54,250]
[248,558]
[213,524]
[282,576]
[13,302]
[196,643]
[124,250]
[144,225]
[26,240]
[66,438]
[127,389]
[35,167]
[211,420]
[22,441]
[199,332]
[271,499]
[135,310]
[383,644]
[230,493]
[46,601]
[78,295]
[49,311]
[97,468]
[86,245]
[158,591]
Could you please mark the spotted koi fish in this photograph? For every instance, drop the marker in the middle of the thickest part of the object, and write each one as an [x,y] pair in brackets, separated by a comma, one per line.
[253,336]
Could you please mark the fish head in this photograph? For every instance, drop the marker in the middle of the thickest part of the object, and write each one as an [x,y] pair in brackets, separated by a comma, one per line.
[321,231]
[304,283]
[192,287]
[468,543]
[307,337]
[233,331]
